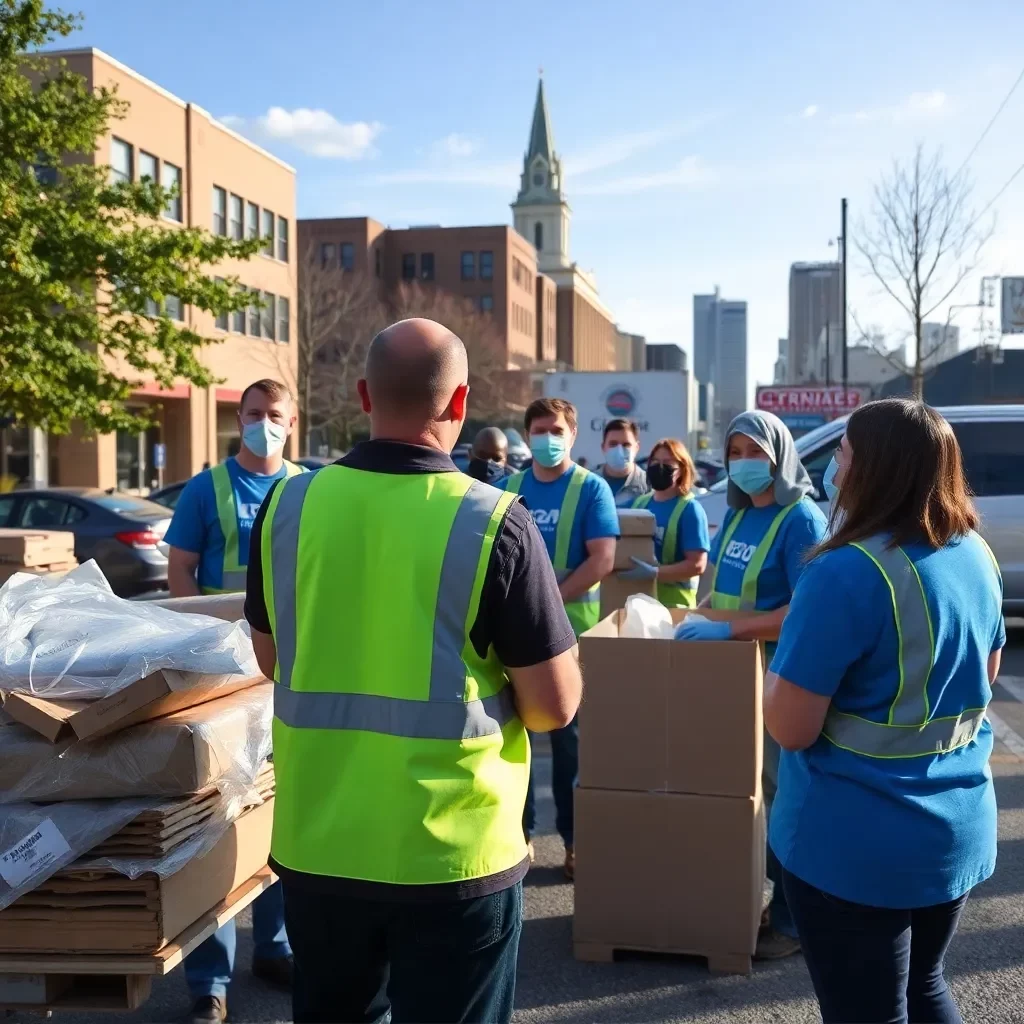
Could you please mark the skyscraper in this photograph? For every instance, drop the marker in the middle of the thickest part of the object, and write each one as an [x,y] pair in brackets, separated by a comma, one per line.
[815,299]
[704,337]
[730,377]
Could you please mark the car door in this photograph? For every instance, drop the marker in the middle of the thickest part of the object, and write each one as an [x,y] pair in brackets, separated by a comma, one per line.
[993,454]
[49,512]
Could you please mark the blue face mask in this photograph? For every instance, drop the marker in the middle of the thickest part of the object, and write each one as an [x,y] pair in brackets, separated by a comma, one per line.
[752,476]
[618,458]
[549,450]
[265,438]
[828,481]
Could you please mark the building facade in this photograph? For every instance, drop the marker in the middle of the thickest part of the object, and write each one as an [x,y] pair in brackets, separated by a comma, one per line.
[730,376]
[939,342]
[665,357]
[704,336]
[815,299]
[229,186]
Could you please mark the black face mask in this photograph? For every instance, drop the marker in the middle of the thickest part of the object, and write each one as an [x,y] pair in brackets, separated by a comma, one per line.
[660,477]
[485,471]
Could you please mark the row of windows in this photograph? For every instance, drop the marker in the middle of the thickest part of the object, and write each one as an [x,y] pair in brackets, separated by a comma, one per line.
[122,168]
[237,218]
[522,319]
[409,266]
[522,276]
[468,265]
[272,321]
[342,255]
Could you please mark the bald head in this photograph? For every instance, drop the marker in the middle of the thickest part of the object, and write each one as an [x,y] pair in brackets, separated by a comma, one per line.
[491,444]
[413,368]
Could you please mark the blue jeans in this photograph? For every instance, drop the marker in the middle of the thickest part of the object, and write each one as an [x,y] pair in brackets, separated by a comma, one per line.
[565,763]
[377,961]
[872,965]
[779,917]
[209,967]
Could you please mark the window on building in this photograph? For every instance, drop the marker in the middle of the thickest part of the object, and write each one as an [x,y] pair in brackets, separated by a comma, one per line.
[222,318]
[538,236]
[993,457]
[408,266]
[148,167]
[486,303]
[172,307]
[269,315]
[254,315]
[152,307]
[120,161]
[468,266]
[376,262]
[486,266]
[426,266]
[220,211]
[268,233]
[235,217]
[252,220]
[348,256]
[44,171]
[170,178]
[327,254]
[284,327]
[282,239]
[238,321]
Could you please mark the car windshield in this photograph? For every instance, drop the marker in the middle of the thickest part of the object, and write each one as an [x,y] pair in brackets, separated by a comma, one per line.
[515,439]
[128,503]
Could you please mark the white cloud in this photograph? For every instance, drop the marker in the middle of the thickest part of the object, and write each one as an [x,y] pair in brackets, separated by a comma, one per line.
[689,173]
[809,111]
[315,132]
[916,106]
[454,147]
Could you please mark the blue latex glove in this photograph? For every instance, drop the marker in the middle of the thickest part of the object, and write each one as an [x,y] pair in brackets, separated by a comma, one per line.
[688,630]
[641,572]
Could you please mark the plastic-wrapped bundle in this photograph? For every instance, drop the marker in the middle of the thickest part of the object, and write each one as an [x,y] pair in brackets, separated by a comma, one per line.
[73,638]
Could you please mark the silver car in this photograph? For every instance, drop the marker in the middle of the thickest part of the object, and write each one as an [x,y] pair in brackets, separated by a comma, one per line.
[992,441]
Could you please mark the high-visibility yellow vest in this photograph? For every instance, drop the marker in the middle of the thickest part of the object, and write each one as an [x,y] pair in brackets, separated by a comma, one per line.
[906,728]
[585,611]
[682,593]
[746,600]
[233,578]
[398,752]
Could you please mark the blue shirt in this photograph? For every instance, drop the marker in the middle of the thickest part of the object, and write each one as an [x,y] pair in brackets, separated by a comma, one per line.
[890,832]
[692,533]
[196,525]
[596,516]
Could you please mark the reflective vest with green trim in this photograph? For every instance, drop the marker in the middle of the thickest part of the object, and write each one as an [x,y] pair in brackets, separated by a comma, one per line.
[233,579]
[682,594]
[398,752]
[746,599]
[906,728]
[584,612]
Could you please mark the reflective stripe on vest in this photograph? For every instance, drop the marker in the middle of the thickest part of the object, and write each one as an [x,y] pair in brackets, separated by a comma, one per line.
[445,715]
[747,599]
[583,611]
[233,573]
[907,731]
[680,594]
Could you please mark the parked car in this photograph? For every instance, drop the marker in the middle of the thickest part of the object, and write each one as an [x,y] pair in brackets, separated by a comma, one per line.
[124,533]
[992,441]
[169,495]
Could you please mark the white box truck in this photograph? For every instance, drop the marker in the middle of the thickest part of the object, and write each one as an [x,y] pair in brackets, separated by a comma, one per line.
[659,402]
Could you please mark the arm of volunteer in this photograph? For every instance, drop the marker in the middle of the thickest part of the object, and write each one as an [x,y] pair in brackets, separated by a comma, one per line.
[181,573]
[548,695]
[696,543]
[692,565]
[256,613]
[763,626]
[600,534]
[186,538]
[599,563]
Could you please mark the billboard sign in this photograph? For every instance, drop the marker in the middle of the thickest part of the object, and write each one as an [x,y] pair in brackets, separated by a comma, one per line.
[825,403]
[1013,305]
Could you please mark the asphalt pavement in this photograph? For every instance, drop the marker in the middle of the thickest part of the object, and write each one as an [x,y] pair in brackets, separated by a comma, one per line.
[985,964]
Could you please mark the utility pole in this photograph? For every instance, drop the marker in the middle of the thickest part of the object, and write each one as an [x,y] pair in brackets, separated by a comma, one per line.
[846,324]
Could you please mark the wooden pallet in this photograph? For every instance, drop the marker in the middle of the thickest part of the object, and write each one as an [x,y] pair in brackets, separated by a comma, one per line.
[718,963]
[86,981]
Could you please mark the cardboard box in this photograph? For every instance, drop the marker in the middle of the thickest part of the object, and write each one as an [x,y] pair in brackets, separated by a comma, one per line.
[670,716]
[161,693]
[182,753]
[636,526]
[53,571]
[32,989]
[229,607]
[615,592]
[106,913]
[29,548]
[668,873]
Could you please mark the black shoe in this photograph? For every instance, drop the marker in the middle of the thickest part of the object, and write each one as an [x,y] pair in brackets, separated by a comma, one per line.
[209,1010]
[276,971]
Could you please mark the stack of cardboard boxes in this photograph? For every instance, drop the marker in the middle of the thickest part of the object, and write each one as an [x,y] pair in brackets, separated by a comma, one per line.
[636,528]
[670,831]
[38,552]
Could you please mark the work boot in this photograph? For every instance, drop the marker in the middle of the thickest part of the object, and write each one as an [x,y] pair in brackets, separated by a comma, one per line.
[277,971]
[775,945]
[209,1010]
[570,863]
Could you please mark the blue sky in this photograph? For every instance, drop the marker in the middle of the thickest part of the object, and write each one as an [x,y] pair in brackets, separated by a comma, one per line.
[703,144]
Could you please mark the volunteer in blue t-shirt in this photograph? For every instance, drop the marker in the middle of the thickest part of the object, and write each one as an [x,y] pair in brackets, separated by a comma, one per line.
[758,556]
[575,513]
[209,542]
[620,443]
[885,816]
[681,541]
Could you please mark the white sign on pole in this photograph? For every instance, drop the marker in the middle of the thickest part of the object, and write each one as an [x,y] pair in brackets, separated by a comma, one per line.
[1013,305]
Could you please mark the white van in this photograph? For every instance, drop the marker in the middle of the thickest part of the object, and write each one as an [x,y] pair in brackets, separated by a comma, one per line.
[992,441]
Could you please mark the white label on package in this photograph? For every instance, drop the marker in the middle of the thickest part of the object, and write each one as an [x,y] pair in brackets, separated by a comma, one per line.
[42,846]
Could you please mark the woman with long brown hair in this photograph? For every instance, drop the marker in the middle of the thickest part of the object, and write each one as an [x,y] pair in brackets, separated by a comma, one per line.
[681,541]
[885,817]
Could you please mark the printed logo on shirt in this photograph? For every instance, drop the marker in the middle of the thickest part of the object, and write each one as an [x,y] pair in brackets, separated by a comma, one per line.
[248,510]
[740,552]
[545,517]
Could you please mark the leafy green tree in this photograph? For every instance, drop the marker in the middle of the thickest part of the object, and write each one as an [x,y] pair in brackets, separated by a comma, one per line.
[87,269]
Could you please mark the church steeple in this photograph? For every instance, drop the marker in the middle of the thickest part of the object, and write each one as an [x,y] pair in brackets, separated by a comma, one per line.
[541,139]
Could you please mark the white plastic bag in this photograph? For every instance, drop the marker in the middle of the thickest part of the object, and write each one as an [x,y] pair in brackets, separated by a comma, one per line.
[647,619]
[73,638]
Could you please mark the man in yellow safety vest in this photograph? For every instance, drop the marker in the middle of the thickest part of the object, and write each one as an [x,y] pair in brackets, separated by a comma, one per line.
[414,627]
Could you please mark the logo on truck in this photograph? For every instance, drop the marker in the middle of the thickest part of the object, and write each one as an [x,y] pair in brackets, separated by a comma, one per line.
[620,401]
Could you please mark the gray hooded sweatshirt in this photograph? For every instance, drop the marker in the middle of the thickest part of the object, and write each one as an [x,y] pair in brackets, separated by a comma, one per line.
[772,435]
